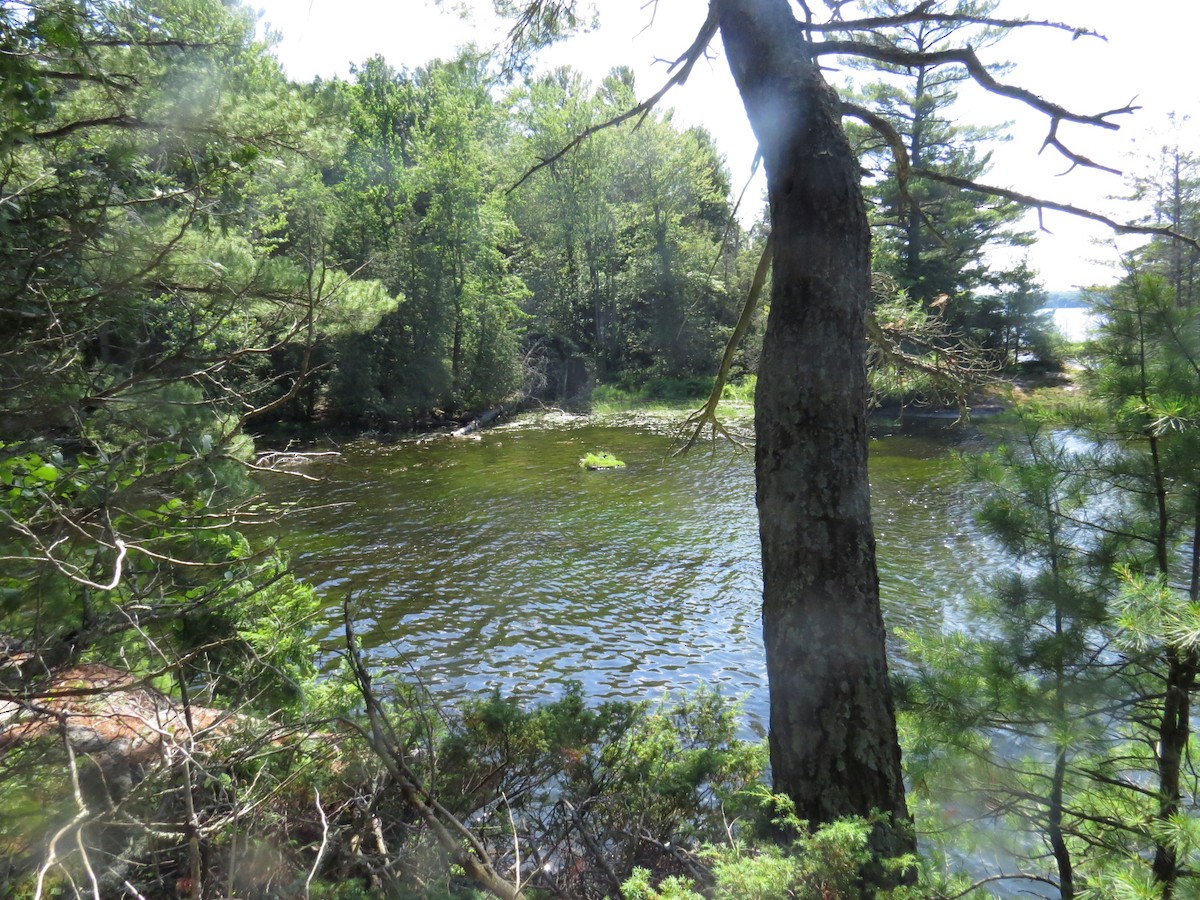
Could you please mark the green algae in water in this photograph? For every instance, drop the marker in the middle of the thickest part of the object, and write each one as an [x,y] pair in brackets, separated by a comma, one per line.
[601,460]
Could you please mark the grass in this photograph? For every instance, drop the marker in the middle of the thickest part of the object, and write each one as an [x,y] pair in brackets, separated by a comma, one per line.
[601,460]
[671,397]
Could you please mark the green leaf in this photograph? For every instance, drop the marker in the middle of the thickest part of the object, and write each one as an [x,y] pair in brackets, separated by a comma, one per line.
[45,473]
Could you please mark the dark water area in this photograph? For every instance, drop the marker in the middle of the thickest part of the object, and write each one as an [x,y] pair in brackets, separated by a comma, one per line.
[498,562]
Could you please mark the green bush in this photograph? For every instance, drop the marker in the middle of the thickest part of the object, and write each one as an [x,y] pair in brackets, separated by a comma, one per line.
[740,393]
[630,391]
[807,865]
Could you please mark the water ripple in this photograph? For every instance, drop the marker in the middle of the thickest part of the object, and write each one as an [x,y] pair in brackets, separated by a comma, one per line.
[500,563]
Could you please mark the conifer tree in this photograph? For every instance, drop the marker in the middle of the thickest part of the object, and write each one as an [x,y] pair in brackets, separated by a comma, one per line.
[930,237]
[1147,374]
[1171,191]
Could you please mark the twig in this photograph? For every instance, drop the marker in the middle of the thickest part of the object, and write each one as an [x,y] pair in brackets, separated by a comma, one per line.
[195,869]
[87,863]
[321,850]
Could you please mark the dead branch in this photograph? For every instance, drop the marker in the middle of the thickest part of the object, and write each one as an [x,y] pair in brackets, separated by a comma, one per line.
[706,416]
[1040,204]
[966,57]
[978,72]
[925,13]
[382,739]
[285,462]
[684,64]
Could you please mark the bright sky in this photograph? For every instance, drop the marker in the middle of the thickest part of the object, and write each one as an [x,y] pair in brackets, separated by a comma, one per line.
[1147,58]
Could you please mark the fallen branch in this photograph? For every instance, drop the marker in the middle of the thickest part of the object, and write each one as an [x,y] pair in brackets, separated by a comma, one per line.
[706,416]
[488,417]
[473,858]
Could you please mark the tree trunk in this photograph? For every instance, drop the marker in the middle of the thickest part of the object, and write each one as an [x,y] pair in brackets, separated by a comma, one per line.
[834,748]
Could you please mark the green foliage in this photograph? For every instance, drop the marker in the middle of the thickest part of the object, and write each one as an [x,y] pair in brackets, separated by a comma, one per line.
[155,295]
[1052,711]
[931,237]
[810,864]
[640,886]
[133,283]
[1168,188]
[600,460]
[740,393]
[622,240]
[423,211]
[629,392]
[913,356]
[590,791]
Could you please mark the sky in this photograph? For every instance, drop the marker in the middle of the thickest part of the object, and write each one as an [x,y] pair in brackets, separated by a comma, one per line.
[1147,58]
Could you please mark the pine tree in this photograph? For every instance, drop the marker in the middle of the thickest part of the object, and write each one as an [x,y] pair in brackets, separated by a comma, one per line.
[1171,190]
[930,237]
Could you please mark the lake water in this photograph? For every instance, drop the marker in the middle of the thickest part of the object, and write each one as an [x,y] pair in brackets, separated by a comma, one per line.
[499,563]
[1074,323]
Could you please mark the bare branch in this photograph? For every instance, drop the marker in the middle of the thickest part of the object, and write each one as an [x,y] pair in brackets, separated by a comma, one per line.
[991,879]
[685,63]
[441,822]
[320,850]
[1041,204]
[1075,158]
[924,13]
[978,72]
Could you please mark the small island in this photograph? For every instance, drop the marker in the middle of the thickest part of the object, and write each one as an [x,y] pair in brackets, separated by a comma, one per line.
[601,460]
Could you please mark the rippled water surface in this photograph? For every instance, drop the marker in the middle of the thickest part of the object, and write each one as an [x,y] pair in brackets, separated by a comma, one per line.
[499,562]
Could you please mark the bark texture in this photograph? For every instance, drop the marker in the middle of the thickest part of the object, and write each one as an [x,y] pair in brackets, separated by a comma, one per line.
[834,747]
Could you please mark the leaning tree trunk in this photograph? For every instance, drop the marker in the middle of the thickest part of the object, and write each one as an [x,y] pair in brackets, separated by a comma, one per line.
[834,747]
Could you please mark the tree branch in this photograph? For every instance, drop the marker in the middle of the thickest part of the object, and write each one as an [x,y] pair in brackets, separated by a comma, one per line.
[706,416]
[966,57]
[685,63]
[1040,204]
[475,861]
[923,13]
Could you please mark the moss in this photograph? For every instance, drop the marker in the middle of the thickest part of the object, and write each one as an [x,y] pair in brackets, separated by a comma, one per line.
[601,460]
